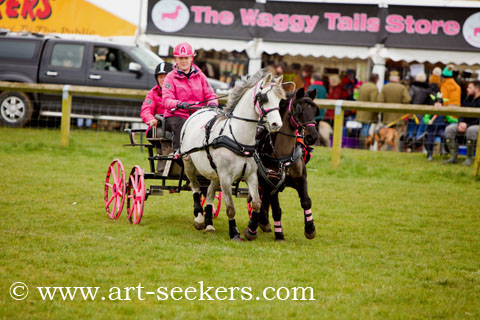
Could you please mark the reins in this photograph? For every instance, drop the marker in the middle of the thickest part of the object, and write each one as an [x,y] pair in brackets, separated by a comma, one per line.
[190,106]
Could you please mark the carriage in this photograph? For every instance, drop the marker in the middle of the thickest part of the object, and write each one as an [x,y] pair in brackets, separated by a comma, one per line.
[133,189]
[226,155]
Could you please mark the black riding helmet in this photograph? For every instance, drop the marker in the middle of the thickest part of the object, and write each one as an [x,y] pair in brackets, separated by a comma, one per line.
[163,68]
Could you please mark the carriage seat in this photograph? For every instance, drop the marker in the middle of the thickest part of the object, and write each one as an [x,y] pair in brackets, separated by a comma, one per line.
[161,132]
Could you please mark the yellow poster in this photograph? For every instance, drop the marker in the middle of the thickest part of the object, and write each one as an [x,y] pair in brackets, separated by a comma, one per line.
[62,16]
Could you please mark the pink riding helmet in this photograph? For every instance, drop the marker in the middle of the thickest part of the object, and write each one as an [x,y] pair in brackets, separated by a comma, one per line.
[183,50]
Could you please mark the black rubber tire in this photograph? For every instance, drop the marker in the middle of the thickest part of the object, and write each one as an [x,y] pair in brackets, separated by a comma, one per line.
[24,107]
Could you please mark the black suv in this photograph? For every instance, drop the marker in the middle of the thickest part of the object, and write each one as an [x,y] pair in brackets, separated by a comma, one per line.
[41,59]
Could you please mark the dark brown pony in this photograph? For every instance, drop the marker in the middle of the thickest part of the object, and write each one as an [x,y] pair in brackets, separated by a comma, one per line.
[282,163]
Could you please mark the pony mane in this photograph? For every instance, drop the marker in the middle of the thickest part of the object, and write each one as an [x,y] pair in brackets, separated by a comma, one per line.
[241,87]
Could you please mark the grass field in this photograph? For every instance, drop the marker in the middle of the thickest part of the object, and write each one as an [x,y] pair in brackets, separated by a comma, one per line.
[397,238]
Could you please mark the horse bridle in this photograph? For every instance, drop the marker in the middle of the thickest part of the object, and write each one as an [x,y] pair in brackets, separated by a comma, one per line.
[294,121]
[259,100]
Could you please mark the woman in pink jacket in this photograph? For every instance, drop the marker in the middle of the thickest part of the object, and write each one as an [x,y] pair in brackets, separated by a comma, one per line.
[185,85]
[153,103]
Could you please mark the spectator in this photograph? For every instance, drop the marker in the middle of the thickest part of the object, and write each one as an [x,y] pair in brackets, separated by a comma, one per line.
[335,91]
[281,69]
[307,71]
[451,91]
[394,92]
[100,58]
[435,76]
[348,83]
[297,76]
[420,93]
[367,92]
[318,85]
[420,90]
[435,126]
[466,127]
[323,127]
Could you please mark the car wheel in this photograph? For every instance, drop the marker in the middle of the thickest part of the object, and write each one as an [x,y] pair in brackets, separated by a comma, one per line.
[16,109]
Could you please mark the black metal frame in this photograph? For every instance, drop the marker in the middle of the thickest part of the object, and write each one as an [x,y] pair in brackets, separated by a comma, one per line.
[154,175]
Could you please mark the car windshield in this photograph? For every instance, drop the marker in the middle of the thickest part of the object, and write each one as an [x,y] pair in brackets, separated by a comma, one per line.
[150,59]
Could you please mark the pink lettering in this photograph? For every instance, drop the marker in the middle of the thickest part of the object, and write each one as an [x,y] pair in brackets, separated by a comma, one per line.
[373,24]
[249,17]
[363,22]
[422,26]
[198,10]
[356,21]
[436,24]
[226,17]
[296,23]
[265,20]
[280,22]
[451,28]
[332,18]
[345,24]
[409,21]
[394,23]
[311,22]
[211,16]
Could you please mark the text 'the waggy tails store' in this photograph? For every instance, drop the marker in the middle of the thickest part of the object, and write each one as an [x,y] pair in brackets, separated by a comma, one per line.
[330,35]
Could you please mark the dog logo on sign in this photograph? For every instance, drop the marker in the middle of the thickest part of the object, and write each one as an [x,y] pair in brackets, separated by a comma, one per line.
[471,30]
[170,15]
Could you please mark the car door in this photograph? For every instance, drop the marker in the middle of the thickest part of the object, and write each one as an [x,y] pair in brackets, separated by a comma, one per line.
[108,66]
[64,62]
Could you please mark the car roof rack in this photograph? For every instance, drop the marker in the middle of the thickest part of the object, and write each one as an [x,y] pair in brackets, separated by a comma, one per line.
[24,33]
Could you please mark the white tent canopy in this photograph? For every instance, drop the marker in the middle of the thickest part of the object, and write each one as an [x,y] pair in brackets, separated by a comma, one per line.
[432,56]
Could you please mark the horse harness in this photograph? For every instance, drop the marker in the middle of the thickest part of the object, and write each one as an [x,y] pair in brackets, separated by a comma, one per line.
[232,144]
[286,162]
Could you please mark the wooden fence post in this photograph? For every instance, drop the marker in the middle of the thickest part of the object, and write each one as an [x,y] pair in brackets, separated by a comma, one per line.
[476,163]
[337,134]
[66,112]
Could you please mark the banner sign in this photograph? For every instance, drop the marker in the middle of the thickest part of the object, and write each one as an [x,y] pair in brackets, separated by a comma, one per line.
[319,23]
[53,16]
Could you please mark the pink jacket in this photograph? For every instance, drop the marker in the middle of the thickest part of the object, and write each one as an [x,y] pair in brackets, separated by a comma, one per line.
[178,88]
[152,105]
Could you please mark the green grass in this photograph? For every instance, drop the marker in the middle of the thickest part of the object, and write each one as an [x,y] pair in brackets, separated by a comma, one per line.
[397,238]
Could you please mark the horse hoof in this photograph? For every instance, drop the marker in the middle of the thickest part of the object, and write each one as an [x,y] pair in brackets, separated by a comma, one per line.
[266,227]
[237,237]
[249,235]
[209,228]
[310,235]
[199,222]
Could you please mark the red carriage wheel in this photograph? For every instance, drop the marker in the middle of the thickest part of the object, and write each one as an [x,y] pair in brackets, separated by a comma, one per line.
[135,195]
[219,203]
[115,189]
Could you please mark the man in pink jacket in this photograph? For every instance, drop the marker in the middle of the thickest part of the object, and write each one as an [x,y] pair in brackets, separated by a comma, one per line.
[185,85]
